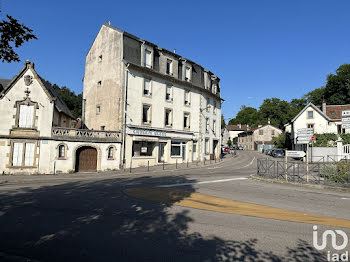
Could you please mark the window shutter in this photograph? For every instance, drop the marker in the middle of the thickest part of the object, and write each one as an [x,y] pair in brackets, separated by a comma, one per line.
[26,114]
[17,154]
[29,154]
[22,115]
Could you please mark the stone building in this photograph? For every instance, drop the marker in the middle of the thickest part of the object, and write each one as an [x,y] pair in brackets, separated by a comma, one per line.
[37,134]
[230,132]
[259,138]
[167,107]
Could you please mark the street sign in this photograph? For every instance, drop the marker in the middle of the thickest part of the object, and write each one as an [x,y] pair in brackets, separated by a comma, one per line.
[345,113]
[295,153]
[313,138]
[345,120]
[345,126]
[306,130]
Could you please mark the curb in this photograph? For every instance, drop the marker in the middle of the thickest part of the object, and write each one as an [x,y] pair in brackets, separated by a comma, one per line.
[313,186]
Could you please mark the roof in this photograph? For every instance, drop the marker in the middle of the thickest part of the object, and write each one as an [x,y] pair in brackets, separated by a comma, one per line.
[315,108]
[237,127]
[334,111]
[58,102]
[4,83]
[251,130]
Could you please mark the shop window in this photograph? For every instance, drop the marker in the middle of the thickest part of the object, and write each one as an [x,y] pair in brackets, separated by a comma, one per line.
[18,159]
[186,120]
[176,149]
[168,93]
[26,116]
[146,114]
[142,148]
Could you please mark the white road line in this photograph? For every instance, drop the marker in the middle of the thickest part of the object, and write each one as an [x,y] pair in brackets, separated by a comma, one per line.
[205,182]
[344,198]
[251,162]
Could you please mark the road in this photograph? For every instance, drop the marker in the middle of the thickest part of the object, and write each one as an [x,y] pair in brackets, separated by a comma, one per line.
[216,213]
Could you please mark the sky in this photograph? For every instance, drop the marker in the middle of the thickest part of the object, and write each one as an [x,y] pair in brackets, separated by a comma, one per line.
[259,49]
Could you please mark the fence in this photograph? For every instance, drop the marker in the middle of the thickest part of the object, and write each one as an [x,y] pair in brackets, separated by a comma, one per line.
[315,173]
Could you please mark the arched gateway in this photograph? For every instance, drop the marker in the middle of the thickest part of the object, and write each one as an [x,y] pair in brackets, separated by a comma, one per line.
[86,159]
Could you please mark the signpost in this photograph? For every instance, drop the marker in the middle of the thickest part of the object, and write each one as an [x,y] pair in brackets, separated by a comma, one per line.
[304,136]
[345,121]
[295,154]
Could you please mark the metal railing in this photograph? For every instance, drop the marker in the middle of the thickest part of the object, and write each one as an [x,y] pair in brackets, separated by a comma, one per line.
[337,173]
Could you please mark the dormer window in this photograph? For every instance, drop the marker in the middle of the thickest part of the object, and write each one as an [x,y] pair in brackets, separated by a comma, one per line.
[188,73]
[148,58]
[26,116]
[169,67]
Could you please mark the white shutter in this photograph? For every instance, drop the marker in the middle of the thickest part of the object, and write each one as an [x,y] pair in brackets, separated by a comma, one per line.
[26,115]
[30,112]
[29,154]
[148,58]
[17,154]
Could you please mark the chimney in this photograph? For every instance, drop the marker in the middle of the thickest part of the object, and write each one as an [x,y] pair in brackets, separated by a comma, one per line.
[240,125]
[174,51]
[324,106]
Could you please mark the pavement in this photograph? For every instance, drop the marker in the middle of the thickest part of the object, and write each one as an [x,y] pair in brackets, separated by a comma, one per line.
[211,213]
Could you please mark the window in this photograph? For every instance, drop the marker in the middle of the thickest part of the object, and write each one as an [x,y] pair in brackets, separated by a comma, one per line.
[261,132]
[148,56]
[168,93]
[147,87]
[208,104]
[100,59]
[98,110]
[207,125]
[169,67]
[214,127]
[176,148]
[168,117]
[214,111]
[188,73]
[186,120]
[215,88]
[142,148]
[17,154]
[110,153]
[310,126]
[187,97]
[99,83]
[61,151]
[146,114]
[26,116]
[272,132]
[103,128]
[310,114]
[206,146]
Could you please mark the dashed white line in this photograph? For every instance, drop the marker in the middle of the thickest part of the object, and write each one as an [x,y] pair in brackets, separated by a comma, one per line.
[251,162]
[205,182]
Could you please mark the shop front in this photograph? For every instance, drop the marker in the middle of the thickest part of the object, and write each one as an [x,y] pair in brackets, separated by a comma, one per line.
[149,146]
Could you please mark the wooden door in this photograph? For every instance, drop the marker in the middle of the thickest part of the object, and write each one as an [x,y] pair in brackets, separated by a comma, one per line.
[86,160]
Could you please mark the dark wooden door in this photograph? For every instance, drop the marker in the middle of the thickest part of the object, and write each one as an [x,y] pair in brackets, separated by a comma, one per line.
[86,159]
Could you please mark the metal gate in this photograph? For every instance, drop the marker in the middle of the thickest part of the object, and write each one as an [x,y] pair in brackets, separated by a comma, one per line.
[86,160]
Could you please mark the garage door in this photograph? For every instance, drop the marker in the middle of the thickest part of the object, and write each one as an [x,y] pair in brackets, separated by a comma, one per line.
[86,159]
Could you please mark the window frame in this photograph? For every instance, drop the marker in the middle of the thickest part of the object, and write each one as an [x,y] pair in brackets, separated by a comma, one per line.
[312,112]
[188,92]
[170,120]
[169,65]
[170,93]
[149,115]
[24,144]
[189,78]
[58,156]
[109,148]
[147,80]
[26,102]
[188,114]
[146,51]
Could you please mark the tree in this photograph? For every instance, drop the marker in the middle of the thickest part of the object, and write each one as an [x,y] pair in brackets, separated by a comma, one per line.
[229,142]
[296,105]
[337,90]
[278,111]
[282,141]
[12,33]
[316,96]
[246,115]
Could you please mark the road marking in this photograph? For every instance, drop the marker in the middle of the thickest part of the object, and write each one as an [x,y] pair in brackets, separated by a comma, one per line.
[344,198]
[251,162]
[189,199]
[204,182]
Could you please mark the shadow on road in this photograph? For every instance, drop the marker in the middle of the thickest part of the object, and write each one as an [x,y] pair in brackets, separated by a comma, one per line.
[96,221]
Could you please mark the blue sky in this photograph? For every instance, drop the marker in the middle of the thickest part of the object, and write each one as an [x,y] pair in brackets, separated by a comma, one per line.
[259,49]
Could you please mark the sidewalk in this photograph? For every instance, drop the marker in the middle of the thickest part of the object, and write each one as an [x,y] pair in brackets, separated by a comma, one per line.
[158,169]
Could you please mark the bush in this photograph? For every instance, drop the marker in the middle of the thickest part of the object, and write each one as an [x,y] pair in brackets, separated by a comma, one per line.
[338,173]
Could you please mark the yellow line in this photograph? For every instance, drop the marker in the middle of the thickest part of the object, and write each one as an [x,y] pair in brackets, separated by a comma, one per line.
[186,198]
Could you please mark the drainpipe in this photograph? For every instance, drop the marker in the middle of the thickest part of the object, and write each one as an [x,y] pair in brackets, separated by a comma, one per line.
[125,112]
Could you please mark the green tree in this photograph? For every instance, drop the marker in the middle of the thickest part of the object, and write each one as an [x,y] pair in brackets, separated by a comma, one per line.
[316,96]
[278,111]
[337,91]
[229,142]
[246,115]
[12,33]
[282,141]
[296,105]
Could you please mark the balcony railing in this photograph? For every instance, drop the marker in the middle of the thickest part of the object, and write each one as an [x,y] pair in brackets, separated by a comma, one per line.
[85,134]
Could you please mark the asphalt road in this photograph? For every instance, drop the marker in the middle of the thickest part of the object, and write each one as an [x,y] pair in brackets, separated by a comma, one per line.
[93,218]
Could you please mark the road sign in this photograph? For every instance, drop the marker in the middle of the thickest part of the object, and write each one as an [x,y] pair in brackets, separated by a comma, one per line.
[345,113]
[345,126]
[345,120]
[313,138]
[295,153]
[302,141]
[306,130]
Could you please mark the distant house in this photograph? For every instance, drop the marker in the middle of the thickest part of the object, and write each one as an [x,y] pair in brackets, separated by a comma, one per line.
[37,134]
[324,119]
[231,131]
[259,138]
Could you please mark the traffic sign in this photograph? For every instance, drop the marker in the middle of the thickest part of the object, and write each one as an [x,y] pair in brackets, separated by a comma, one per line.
[345,113]
[313,138]
[295,153]
[345,125]
[345,119]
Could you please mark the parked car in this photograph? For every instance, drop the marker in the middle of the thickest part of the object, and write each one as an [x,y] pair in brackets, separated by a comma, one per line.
[278,153]
[240,148]
[268,152]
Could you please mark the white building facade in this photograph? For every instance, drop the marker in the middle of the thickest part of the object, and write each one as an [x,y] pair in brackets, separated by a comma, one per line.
[37,134]
[168,108]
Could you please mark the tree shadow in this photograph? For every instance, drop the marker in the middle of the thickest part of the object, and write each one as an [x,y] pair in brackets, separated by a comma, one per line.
[96,221]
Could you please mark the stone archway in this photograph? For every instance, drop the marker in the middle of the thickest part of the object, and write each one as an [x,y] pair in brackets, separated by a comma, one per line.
[86,159]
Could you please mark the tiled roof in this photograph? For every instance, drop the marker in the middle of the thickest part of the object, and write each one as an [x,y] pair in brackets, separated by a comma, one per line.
[334,111]
[236,127]
[4,83]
